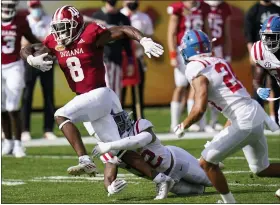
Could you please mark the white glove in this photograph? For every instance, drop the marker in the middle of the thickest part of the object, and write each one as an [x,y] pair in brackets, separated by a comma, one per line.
[116,186]
[101,148]
[109,158]
[179,130]
[151,48]
[39,62]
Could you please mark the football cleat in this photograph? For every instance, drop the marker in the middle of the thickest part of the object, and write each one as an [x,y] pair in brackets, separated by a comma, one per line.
[25,136]
[19,151]
[7,147]
[209,129]
[194,128]
[88,168]
[218,127]
[163,188]
[50,136]
[277,194]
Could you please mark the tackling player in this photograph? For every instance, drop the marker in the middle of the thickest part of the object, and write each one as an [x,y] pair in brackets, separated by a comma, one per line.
[184,16]
[173,161]
[219,23]
[13,26]
[214,81]
[79,51]
[266,54]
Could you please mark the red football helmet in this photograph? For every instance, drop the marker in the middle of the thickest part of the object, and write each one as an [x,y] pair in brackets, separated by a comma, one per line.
[67,24]
[8,9]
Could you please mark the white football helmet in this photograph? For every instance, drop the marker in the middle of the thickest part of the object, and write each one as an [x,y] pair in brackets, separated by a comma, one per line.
[214,3]
[8,9]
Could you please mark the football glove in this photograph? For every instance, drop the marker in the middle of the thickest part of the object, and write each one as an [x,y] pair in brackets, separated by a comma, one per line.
[263,93]
[101,148]
[179,130]
[109,158]
[116,186]
[151,48]
[39,62]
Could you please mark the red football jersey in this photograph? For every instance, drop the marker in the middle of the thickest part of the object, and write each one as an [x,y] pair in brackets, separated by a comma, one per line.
[81,62]
[217,19]
[195,20]
[11,37]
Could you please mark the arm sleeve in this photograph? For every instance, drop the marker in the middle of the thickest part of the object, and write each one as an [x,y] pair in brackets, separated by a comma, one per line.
[127,42]
[132,142]
[249,27]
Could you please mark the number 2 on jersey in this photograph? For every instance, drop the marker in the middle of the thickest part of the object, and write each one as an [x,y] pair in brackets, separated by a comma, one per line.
[151,156]
[74,64]
[228,77]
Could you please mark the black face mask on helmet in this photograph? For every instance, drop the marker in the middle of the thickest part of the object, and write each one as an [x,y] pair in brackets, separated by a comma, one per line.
[133,5]
[112,2]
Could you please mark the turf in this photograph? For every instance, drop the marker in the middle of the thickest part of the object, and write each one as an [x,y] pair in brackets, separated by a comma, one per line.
[45,178]
[35,172]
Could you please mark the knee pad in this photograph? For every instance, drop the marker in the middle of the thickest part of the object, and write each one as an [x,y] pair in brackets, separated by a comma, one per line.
[59,112]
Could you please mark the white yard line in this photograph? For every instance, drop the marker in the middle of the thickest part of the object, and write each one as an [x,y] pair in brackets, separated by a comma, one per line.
[162,136]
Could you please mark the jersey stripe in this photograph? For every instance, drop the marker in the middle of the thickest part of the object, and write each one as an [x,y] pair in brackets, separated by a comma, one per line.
[255,51]
[207,62]
[137,126]
[260,50]
[199,41]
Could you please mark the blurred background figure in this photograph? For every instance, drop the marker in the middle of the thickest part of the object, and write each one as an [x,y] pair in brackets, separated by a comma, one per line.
[255,17]
[219,23]
[13,27]
[39,23]
[113,51]
[142,22]
[184,16]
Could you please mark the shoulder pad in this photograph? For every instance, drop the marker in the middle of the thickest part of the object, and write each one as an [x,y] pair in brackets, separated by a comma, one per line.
[141,125]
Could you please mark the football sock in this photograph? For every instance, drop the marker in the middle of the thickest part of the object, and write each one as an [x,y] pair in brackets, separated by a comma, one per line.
[175,113]
[84,158]
[228,198]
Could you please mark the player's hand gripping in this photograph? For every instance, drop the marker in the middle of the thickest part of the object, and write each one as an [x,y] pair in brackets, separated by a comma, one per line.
[263,93]
[151,48]
[101,148]
[39,62]
[116,186]
[179,130]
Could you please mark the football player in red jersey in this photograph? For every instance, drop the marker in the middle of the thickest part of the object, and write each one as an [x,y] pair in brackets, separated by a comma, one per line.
[184,16]
[219,23]
[79,51]
[13,26]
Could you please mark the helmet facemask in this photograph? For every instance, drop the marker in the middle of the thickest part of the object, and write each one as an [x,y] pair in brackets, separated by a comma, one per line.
[8,10]
[271,41]
[63,31]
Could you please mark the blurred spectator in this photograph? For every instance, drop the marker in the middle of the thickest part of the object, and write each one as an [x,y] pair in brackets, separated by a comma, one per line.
[184,16]
[113,51]
[219,23]
[255,16]
[142,22]
[39,23]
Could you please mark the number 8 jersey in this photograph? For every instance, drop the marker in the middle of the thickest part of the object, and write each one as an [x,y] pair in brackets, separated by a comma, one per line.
[225,91]
[81,61]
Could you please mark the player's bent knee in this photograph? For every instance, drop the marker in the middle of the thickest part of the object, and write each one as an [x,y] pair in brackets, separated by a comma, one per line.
[259,171]
[206,165]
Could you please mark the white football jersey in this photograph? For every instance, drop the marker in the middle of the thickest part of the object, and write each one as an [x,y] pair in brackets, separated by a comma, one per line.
[155,154]
[266,60]
[225,91]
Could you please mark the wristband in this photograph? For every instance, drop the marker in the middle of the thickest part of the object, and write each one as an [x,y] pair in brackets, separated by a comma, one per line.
[173,54]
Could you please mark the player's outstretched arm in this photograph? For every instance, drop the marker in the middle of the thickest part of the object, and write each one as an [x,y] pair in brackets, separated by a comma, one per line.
[38,62]
[129,143]
[120,32]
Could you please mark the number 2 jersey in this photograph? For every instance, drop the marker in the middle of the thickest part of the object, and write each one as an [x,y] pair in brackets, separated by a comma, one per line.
[266,60]
[226,92]
[81,61]
[11,35]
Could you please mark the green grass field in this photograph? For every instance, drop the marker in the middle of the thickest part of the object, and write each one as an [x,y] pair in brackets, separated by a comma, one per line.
[42,178]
